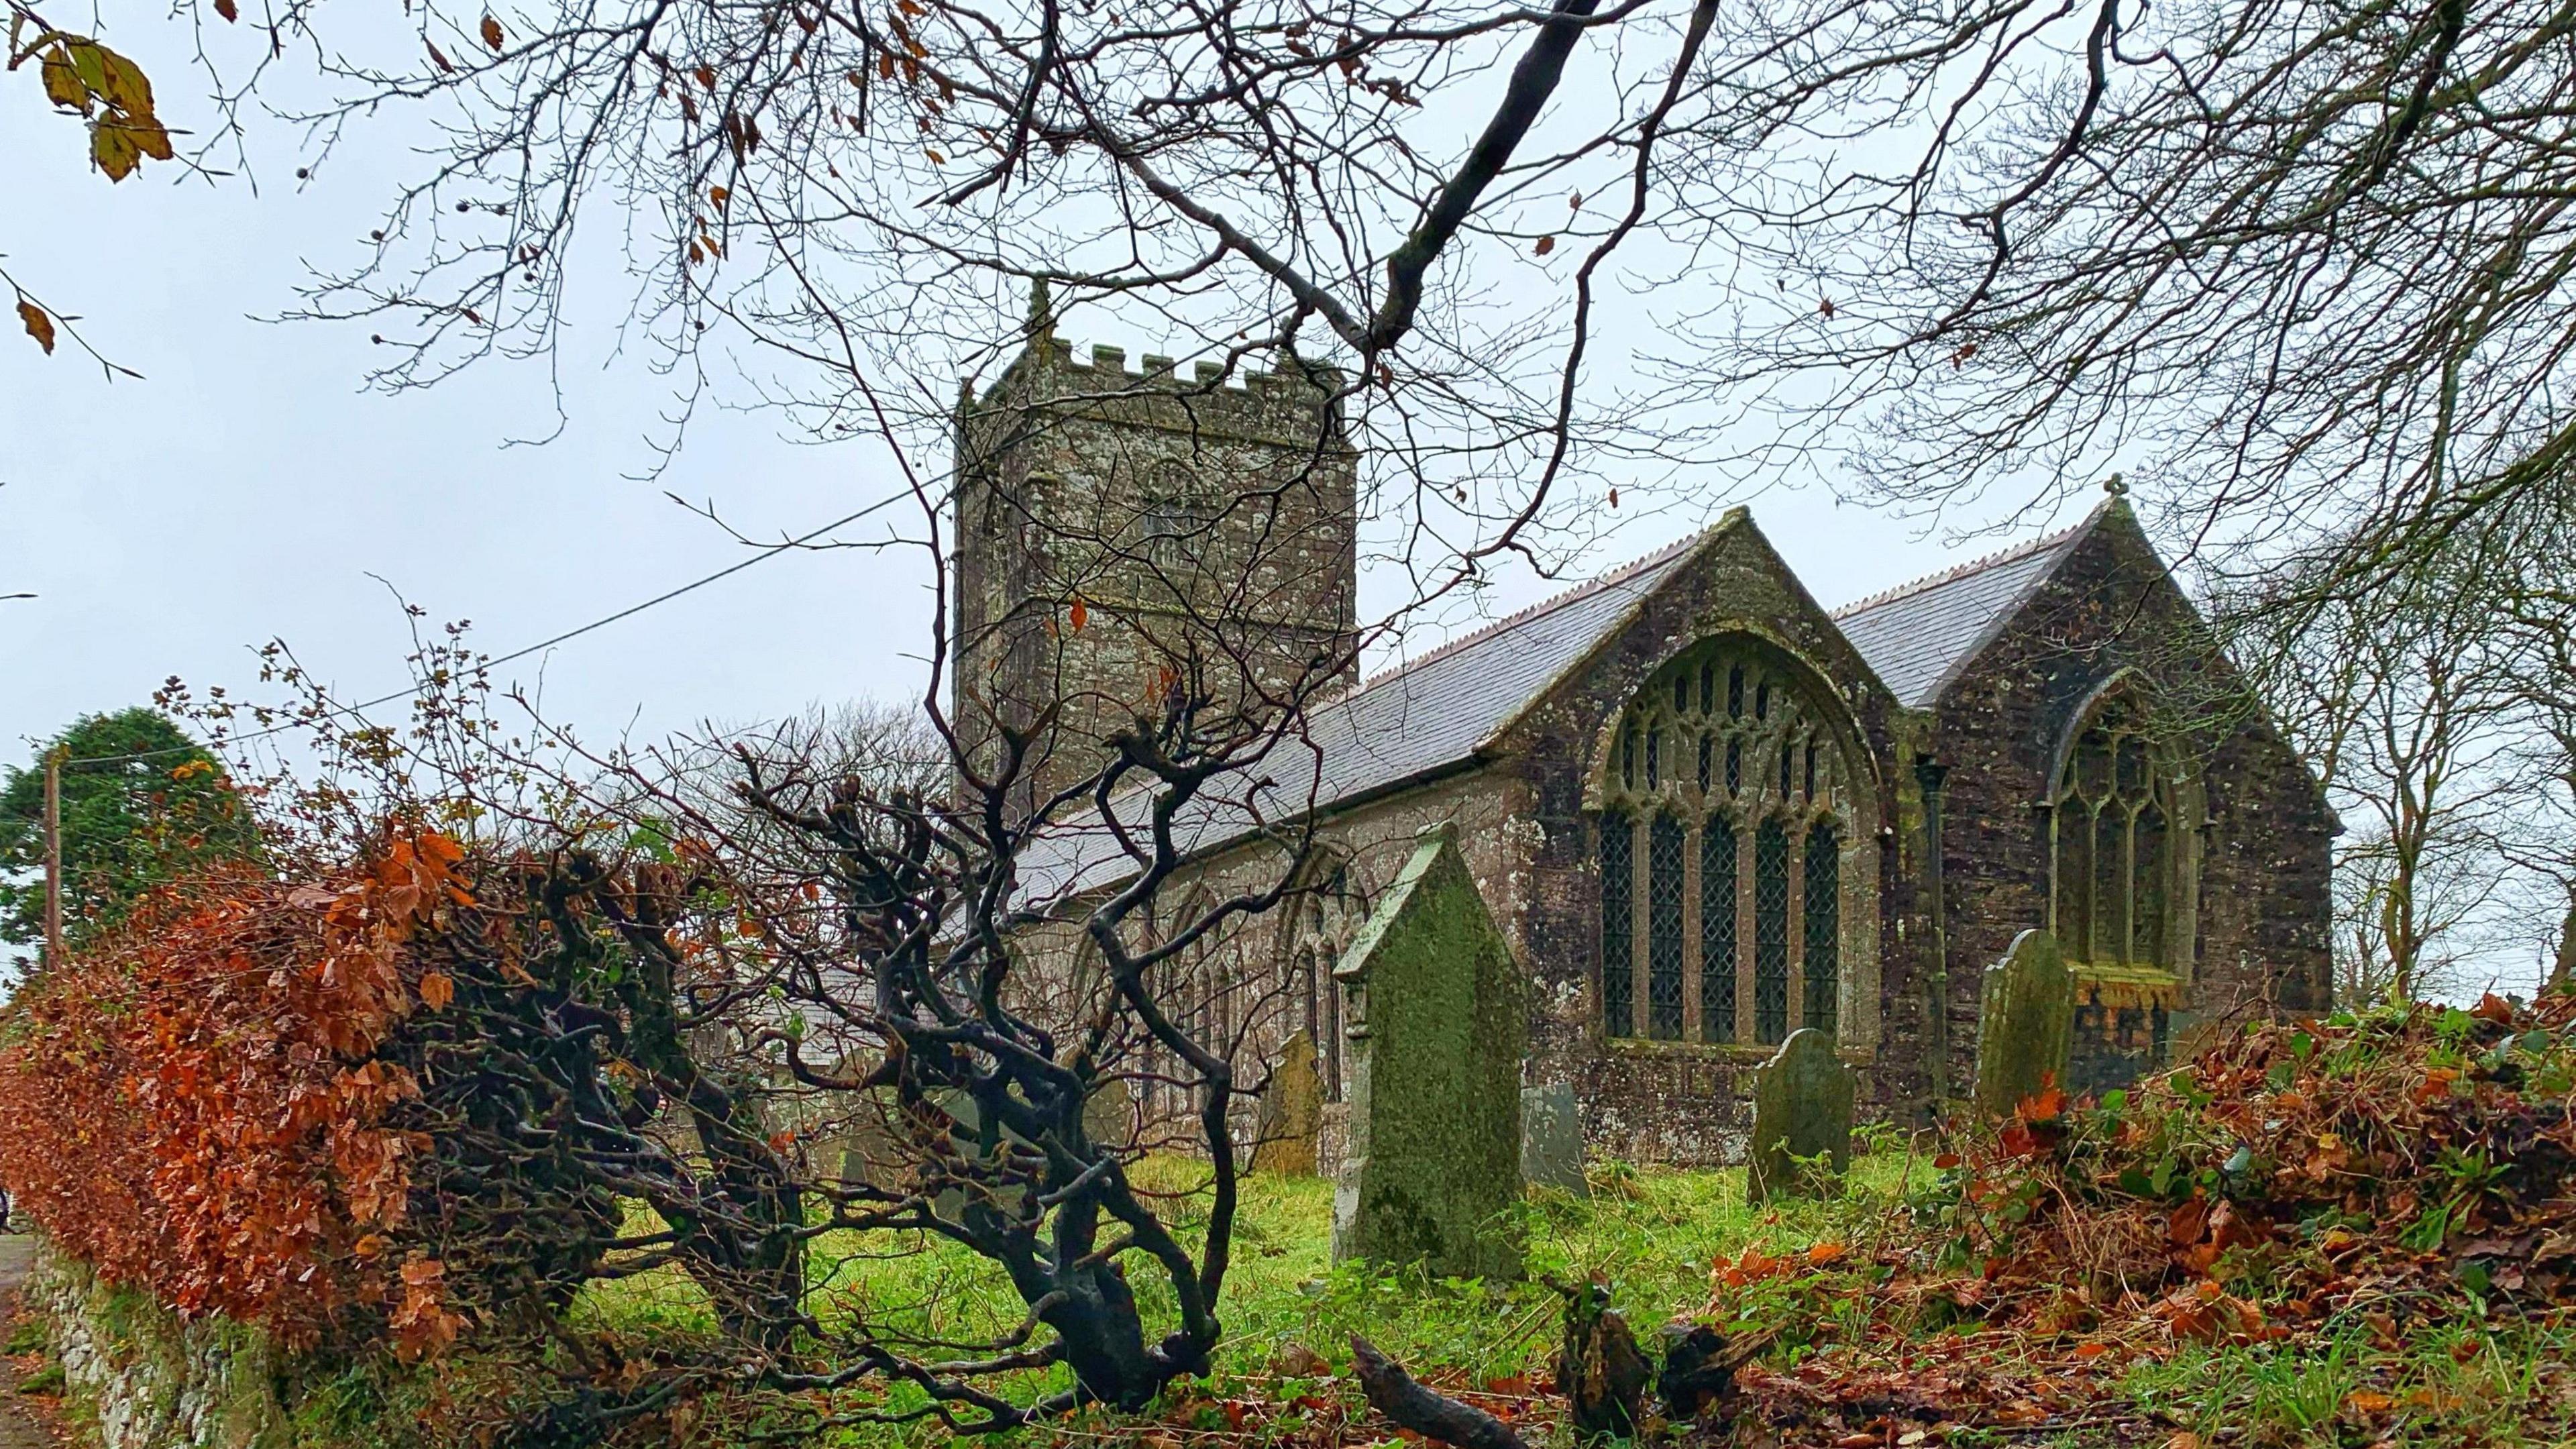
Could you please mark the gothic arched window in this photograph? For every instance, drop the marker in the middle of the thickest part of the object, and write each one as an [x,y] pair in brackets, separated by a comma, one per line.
[2114,843]
[1728,814]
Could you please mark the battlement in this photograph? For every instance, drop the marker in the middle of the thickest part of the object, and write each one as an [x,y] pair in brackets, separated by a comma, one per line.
[1055,377]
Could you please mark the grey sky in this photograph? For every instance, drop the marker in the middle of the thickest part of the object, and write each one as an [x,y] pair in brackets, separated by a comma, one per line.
[248,489]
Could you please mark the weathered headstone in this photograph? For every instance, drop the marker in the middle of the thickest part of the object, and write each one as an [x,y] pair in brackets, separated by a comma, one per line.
[1332,1140]
[2025,1023]
[1292,1110]
[1109,1117]
[1437,1031]
[1802,1108]
[1552,1139]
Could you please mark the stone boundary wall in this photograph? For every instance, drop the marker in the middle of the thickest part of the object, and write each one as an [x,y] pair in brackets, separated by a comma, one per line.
[152,1380]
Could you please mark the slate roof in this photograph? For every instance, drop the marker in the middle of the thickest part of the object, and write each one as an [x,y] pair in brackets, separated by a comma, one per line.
[1915,637]
[1433,713]
[1406,723]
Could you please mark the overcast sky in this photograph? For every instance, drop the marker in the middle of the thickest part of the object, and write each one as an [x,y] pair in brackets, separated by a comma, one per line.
[248,488]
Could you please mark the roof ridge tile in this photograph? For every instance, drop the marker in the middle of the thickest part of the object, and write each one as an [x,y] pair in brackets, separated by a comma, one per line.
[1523,615]
[1956,572]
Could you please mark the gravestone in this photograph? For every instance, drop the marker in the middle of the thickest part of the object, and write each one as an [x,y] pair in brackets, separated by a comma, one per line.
[1552,1139]
[1292,1111]
[1436,1032]
[1802,1108]
[1109,1117]
[2025,1023]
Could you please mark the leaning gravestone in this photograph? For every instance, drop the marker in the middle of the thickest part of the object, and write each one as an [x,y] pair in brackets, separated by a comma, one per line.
[1802,1108]
[1436,1034]
[1292,1111]
[2025,1024]
[1552,1139]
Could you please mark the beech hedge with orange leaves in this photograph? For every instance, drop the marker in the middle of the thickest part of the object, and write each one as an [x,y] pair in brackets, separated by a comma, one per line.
[200,1105]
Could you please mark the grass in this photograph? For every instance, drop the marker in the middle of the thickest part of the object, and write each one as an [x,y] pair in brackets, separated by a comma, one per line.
[1651,1233]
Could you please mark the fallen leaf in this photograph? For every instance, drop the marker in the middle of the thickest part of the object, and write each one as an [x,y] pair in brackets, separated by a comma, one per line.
[437,989]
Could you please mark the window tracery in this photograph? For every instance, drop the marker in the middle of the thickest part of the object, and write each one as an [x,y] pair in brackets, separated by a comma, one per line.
[1725,807]
[2113,849]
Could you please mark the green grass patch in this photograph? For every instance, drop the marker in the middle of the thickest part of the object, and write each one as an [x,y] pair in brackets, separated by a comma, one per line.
[1652,1233]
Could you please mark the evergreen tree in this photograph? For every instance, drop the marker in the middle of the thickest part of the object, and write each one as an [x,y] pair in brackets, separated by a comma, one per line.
[142,804]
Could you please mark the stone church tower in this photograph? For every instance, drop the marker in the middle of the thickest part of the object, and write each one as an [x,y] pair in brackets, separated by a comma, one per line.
[1132,543]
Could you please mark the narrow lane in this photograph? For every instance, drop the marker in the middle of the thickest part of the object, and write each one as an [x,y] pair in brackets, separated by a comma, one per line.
[19,1429]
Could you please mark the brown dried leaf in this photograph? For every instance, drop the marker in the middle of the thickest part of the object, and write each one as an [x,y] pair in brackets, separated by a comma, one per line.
[39,326]
[492,35]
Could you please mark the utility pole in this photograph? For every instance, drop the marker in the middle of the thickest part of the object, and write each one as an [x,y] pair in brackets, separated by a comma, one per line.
[54,857]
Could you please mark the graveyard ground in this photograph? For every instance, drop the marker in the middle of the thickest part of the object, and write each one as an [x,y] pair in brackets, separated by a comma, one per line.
[2357,1232]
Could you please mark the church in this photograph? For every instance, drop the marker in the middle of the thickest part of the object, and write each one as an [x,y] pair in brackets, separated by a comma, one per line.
[1705,810]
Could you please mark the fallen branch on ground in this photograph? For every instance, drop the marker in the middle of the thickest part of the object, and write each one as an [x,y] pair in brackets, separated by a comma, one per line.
[1392,1392]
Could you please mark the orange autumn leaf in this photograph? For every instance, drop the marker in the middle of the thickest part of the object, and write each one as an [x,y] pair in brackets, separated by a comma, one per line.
[492,35]
[39,325]
[437,989]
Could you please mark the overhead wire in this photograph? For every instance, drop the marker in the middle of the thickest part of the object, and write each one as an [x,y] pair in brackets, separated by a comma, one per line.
[766,553]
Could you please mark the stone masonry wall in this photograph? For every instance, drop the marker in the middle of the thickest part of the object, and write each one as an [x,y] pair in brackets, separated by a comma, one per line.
[1206,525]
[1679,1102]
[2262,897]
[154,1381]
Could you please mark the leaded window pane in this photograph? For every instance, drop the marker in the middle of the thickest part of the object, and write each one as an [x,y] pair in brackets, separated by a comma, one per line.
[2153,876]
[1735,767]
[1664,887]
[2075,879]
[2111,891]
[1770,933]
[1704,745]
[1717,931]
[1618,948]
[1824,918]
